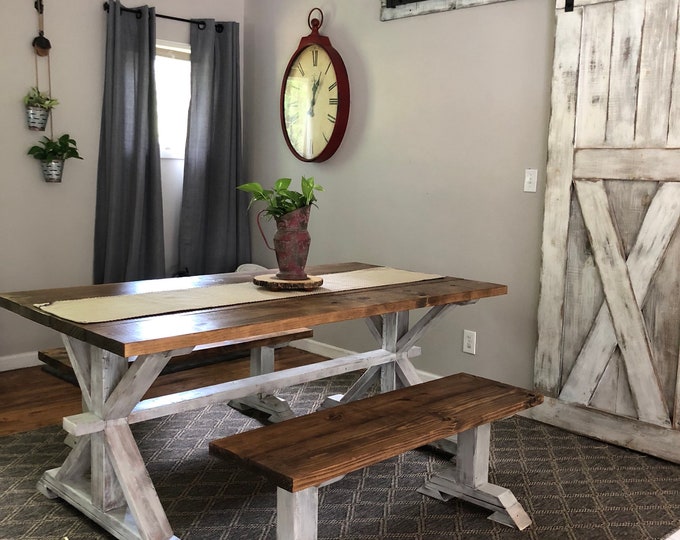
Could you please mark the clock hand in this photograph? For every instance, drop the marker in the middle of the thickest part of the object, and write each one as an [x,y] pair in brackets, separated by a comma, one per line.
[315,89]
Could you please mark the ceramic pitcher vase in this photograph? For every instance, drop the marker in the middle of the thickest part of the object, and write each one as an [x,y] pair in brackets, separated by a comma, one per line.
[291,244]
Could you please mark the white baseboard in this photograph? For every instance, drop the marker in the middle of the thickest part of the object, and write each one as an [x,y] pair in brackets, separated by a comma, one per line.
[19,361]
[673,536]
[331,351]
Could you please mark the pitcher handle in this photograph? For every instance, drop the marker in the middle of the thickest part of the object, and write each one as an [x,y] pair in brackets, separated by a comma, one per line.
[261,231]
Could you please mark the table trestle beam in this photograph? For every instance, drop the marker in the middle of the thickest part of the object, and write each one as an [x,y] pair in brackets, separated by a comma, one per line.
[82,424]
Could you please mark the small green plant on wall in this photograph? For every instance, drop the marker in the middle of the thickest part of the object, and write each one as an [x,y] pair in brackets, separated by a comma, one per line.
[36,98]
[52,153]
[38,106]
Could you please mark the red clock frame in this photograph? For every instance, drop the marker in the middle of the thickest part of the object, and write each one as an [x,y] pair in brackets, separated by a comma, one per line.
[314,38]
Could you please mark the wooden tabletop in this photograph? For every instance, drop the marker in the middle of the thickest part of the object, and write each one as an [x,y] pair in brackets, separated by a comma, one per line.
[160,333]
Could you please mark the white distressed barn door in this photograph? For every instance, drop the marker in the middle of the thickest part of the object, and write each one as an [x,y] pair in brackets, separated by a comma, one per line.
[609,312]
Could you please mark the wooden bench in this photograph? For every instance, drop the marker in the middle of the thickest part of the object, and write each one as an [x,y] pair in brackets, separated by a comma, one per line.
[261,350]
[303,453]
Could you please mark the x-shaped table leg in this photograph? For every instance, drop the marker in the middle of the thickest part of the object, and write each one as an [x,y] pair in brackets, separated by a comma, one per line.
[119,481]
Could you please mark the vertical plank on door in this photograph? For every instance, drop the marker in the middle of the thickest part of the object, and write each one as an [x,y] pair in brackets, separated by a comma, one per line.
[623,82]
[674,114]
[547,365]
[656,72]
[593,82]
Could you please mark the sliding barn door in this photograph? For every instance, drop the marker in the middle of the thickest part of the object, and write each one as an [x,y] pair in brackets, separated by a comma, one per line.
[609,312]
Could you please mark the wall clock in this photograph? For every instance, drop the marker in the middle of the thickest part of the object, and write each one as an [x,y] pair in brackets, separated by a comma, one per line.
[314,97]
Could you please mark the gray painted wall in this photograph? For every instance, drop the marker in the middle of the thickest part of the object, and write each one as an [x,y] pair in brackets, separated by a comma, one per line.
[447,111]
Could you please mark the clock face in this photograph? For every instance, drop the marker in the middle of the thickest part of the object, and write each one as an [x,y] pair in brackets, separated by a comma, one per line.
[310,102]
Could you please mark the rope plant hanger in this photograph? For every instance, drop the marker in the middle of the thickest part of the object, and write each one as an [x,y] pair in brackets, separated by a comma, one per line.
[42,46]
[49,151]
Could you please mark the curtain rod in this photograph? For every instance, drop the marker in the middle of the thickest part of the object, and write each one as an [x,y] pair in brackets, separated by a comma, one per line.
[201,24]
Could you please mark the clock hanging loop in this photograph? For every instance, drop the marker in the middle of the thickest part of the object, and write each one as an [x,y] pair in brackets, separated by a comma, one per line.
[314,24]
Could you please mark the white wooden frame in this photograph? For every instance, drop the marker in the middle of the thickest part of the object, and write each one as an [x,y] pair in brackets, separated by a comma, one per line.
[427,6]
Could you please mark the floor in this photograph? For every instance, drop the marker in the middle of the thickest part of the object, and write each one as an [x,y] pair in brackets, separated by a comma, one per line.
[577,488]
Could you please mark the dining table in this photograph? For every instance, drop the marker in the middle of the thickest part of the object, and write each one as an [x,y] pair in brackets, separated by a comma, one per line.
[120,336]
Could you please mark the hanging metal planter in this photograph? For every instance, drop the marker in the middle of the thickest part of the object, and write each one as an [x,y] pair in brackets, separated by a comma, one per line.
[38,106]
[36,118]
[52,170]
[51,153]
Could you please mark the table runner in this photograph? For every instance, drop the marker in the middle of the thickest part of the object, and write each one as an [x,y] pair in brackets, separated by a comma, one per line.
[130,306]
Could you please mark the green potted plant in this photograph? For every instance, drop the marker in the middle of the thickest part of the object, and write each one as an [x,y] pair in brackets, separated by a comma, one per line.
[38,105]
[290,209]
[52,153]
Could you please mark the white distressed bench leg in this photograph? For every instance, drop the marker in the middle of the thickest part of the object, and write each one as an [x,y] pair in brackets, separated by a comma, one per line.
[261,362]
[469,481]
[297,514]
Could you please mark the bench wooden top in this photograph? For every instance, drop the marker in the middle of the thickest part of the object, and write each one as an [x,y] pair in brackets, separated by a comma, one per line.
[310,450]
[160,333]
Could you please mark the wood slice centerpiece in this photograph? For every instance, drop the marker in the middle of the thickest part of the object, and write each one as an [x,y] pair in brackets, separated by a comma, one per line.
[271,282]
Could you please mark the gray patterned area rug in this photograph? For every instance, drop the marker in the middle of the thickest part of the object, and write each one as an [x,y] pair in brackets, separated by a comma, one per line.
[572,487]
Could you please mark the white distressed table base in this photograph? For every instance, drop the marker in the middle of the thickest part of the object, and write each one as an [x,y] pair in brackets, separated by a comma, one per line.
[276,409]
[129,507]
[124,502]
[119,522]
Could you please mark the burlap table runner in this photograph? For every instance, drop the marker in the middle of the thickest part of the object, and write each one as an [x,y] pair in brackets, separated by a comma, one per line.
[130,306]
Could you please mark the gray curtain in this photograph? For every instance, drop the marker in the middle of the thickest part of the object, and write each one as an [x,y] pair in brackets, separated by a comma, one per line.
[128,238]
[214,231]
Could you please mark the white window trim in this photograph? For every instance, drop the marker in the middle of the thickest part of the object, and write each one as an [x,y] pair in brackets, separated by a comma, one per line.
[427,6]
[173,49]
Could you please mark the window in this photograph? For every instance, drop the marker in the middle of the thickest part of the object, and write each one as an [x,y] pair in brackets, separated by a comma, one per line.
[397,9]
[173,76]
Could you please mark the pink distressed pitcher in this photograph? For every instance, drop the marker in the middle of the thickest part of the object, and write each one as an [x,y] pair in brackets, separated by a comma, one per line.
[291,243]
